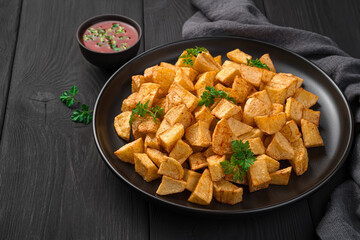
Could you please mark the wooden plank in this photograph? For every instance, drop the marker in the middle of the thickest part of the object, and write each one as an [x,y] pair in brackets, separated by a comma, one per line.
[53,182]
[336,19]
[9,19]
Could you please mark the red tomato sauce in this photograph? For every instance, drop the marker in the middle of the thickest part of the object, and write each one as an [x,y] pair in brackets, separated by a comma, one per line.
[110,36]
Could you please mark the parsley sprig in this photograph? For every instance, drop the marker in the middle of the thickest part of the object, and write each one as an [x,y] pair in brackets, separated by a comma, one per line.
[208,96]
[190,53]
[142,109]
[240,161]
[256,63]
[68,97]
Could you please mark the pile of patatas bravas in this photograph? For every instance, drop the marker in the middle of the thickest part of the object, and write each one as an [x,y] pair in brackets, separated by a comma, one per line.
[186,146]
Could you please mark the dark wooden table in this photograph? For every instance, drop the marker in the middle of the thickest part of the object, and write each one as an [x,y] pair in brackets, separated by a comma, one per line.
[53,182]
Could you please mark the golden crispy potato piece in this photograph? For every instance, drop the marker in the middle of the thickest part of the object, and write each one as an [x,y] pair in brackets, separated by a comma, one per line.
[254,133]
[203,114]
[203,193]
[148,125]
[190,73]
[291,131]
[293,110]
[280,148]
[311,116]
[129,103]
[183,80]
[204,62]
[137,120]
[179,114]
[300,160]
[271,124]
[172,168]
[252,75]
[218,59]
[226,192]
[208,152]
[225,109]
[161,102]
[180,61]
[286,80]
[148,73]
[238,56]
[254,107]
[156,156]
[276,108]
[221,87]
[191,178]
[306,98]
[181,151]
[281,177]
[216,171]
[276,94]
[258,176]
[267,60]
[240,89]
[272,164]
[238,127]
[164,125]
[231,64]
[148,92]
[198,134]
[227,75]
[197,161]
[136,82]
[164,77]
[145,167]
[187,97]
[229,177]
[168,65]
[311,134]
[122,125]
[126,152]
[267,76]
[299,82]
[222,138]
[256,146]
[152,141]
[170,185]
[169,137]
[262,96]
[172,99]
[205,79]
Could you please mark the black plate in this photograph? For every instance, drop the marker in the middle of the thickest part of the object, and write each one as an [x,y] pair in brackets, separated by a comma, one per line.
[336,124]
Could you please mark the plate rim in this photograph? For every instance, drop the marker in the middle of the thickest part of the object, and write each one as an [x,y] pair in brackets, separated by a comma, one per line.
[227,212]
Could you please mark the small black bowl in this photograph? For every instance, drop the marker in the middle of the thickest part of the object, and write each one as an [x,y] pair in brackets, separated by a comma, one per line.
[108,60]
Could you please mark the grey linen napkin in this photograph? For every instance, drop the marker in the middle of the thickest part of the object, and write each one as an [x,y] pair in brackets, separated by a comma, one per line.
[242,18]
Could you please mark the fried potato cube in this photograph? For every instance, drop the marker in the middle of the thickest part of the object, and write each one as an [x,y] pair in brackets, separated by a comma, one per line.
[181,151]
[170,185]
[156,156]
[311,116]
[276,94]
[218,59]
[203,192]
[227,75]
[172,99]
[230,177]
[203,114]
[280,148]
[208,152]
[168,65]
[145,167]
[169,137]
[164,125]
[231,64]
[187,97]
[197,161]
[262,96]
[267,60]
[240,89]
[172,168]
[254,107]
[270,124]
[190,73]
[122,125]
[291,131]
[254,133]
[222,138]
[258,176]
[161,102]
[129,103]
[180,61]
[286,80]
[226,192]
[148,92]
[256,146]
[276,108]
[281,177]
[216,171]
[205,79]
[252,75]
[238,56]
[148,73]
[238,127]
[272,164]
[183,80]
[311,134]
[299,82]
[179,114]
[191,178]
[137,120]
[267,76]
[151,141]
[148,125]
[225,109]
[300,161]
[293,110]
[198,134]
[221,87]
[164,77]
[126,152]
[136,82]
[306,98]
[204,62]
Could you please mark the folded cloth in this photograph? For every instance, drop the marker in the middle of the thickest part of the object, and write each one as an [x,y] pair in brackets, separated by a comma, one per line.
[242,18]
